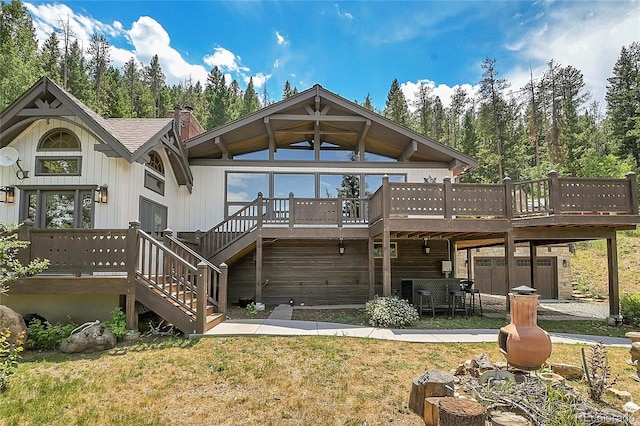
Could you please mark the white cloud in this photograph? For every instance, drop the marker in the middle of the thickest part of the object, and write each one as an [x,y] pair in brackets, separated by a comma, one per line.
[276,63]
[281,40]
[587,36]
[224,59]
[145,38]
[343,15]
[258,79]
[443,91]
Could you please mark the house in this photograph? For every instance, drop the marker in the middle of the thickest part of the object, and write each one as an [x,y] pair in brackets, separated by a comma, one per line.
[313,198]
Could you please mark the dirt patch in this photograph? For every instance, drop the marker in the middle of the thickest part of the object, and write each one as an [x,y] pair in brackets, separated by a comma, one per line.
[236,312]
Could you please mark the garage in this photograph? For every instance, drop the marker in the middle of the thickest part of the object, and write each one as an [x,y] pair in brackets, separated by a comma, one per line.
[490,275]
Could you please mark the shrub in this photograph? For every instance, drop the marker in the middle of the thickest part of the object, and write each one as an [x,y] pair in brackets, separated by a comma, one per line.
[118,323]
[630,309]
[9,354]
[46,336]
[391,312]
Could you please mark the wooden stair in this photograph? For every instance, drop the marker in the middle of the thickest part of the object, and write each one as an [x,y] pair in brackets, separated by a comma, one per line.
[167,306]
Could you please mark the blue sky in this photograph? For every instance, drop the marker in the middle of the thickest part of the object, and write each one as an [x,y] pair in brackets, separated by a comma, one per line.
[354,48]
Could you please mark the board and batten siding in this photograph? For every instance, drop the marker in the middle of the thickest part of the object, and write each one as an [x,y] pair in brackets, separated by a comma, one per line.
[125,181]
[206,205]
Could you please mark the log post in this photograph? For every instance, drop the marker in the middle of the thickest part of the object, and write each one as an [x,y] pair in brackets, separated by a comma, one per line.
[430,383]
[461,412]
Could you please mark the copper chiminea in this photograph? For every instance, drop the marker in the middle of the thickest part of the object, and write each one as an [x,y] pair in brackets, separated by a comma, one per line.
[523,343]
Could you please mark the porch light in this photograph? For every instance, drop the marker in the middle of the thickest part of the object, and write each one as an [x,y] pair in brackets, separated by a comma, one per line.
[102,194]
[426,247]
[341,247]
[9,194]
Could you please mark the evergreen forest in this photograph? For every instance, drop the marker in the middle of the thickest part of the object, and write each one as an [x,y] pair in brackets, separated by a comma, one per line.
[520,132]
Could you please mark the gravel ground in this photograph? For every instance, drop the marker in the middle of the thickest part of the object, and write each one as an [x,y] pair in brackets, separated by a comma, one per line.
[573,308]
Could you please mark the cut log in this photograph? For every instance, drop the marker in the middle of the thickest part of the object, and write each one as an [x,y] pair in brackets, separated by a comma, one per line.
[430,383]
[431,409]
[508,419]
[461,412]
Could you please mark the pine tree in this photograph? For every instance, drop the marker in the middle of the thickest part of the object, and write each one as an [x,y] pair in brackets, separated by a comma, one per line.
[367,102]
[19,62]
[77,78]
[623,103]
[98,66]
[396,107]
[491,117]
[50,56]
[250,101]
[154,78]
[459,103]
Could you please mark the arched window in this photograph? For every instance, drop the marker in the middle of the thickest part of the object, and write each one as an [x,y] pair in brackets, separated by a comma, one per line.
[155,163]
[59,140]
[151,180]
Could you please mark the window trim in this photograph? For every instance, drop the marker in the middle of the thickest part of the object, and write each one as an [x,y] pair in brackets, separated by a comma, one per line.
[39,192]
[59,130]
[41,158]
[151,176]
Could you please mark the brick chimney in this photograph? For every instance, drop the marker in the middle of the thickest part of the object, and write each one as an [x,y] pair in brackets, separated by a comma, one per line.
[188,126]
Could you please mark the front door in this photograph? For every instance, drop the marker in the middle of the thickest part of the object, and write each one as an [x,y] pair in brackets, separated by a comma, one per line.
[153,217]
[59,208]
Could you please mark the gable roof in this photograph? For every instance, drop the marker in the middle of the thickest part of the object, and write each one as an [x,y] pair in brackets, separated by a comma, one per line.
[128,138]
[317,113]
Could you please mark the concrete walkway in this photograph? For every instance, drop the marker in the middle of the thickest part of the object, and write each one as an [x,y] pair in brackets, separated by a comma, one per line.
[280,323]
[280,327]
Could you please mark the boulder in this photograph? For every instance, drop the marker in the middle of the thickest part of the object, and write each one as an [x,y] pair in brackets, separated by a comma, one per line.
[635,351]
[11,320]
[90,337]
[568,371]
[619,395]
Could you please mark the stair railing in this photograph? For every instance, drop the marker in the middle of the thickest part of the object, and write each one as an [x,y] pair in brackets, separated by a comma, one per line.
[236,226]
[216,291]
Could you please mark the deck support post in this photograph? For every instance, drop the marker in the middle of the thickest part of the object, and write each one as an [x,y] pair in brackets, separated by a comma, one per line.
[510,265]
[132,258]
[372,269]
[201,304]
[533,259]
[259,268]
[386,238]
[614,288]
[222,288]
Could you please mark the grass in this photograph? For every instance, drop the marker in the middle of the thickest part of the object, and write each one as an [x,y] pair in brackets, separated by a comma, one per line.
[245,381]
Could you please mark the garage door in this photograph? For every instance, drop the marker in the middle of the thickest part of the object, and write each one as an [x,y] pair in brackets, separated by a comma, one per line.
[490,275]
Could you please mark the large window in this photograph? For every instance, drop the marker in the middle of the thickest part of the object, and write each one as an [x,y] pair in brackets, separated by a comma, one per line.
[154,180]
[59,208]
[59,140]
[52,165]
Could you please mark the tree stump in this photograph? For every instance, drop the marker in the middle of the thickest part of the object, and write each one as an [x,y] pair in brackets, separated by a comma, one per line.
[461,412]
[430,383]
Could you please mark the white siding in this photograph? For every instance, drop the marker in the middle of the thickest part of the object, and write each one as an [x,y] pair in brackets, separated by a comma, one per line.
[125,181]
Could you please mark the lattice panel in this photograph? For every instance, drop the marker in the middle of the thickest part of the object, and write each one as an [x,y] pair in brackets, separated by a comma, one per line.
[578,195]
[84,251]
[316,211]
[420,199]
[478,200]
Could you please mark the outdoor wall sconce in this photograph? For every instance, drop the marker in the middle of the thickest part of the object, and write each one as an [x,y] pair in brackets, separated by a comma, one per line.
[565,263]
[341,247]
[9,194]
[102,194]
[426,247]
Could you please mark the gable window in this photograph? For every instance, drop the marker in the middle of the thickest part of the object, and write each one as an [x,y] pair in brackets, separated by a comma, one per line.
[59,140]
[58,166]
[151,180]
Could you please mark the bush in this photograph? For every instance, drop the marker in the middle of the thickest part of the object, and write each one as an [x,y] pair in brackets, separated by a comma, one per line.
[391,312]
[46,336]
[118,323]
[9,354]
[630,309]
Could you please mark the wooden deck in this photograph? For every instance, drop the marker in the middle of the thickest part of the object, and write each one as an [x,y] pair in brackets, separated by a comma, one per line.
[545,211]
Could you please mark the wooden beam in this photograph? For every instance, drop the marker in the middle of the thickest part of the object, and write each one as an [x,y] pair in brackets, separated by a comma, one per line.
[30,112]
[363,135]
[577,233]
[259,269]
[614,285]
[372,270]
[223,147]
[58,284]
[272,140]
[409,150]
[303,117]
[510,265]
[533,259]
[311,132]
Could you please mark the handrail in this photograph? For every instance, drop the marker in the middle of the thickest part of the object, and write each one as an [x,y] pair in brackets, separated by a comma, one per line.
[232,229]
[195,258]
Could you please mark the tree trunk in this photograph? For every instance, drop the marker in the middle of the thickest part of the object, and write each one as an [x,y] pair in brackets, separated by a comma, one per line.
[461,412]
[430,383]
